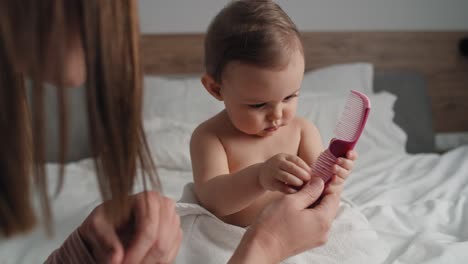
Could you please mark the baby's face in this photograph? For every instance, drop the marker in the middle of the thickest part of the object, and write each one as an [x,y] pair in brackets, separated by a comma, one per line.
[260,101]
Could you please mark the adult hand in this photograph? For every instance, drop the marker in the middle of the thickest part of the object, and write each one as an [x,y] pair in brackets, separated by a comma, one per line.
[151,235]
[288,227]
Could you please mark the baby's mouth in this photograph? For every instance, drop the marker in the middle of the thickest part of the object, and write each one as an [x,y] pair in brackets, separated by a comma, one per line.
[271,129]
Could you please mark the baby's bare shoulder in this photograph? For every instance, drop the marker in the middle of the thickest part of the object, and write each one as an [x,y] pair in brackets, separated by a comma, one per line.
[303,124]
[205,128]
[209,128]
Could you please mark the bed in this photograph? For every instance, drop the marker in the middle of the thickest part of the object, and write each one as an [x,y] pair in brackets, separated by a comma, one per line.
[415,199]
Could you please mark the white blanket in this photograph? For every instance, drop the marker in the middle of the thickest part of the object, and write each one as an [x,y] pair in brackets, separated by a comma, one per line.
[418,204]
[207,239]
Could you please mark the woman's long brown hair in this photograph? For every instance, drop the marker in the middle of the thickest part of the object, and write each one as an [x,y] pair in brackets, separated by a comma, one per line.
[109,32]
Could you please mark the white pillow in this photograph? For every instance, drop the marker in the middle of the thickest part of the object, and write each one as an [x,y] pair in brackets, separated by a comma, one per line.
[184,98]
[178,98]
[380,133]
[169,140]
[339,79]
[169,143]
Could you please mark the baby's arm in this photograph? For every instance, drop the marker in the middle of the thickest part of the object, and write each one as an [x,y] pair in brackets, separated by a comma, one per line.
[310,145]
[219,191]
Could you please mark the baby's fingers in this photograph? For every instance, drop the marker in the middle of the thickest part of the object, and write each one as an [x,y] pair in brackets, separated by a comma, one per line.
[335,185]
[297,167]
[341,172]
[346,164]
[352,155]
[283,187]
[289,179]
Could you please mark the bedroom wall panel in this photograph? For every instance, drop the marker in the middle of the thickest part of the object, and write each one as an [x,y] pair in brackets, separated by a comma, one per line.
[188,16]
[433,54]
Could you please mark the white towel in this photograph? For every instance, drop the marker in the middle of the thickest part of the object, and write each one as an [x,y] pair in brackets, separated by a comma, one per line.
[209,240]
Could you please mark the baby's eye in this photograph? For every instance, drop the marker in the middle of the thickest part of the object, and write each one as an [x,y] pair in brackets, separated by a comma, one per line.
[290,97]
[256,106]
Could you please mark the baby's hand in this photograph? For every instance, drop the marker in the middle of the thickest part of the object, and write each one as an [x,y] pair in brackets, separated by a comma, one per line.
[282,172]
[343,166]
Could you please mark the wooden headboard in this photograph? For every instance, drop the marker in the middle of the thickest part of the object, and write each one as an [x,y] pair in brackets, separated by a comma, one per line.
[433,54]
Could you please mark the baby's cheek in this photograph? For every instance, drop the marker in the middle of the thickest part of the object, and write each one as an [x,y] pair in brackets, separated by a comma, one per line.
[290,113]
[257,120]
[251,123]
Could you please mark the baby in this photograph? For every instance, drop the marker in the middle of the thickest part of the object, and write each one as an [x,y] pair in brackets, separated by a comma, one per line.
[256,150]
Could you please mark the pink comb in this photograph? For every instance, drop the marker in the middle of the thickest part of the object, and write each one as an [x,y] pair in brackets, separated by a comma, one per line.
[347,132]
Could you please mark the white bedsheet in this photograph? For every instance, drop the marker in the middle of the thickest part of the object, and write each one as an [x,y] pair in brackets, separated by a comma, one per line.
[417,204]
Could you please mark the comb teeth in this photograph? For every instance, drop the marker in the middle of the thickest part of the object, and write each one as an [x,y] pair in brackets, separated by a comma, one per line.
[348,126]
[323,167]
[347,132]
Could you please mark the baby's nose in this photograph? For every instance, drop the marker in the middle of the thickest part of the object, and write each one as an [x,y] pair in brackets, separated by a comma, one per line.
[276,114]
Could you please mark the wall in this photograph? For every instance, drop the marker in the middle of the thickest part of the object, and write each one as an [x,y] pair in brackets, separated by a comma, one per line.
[185,16]
[193,16]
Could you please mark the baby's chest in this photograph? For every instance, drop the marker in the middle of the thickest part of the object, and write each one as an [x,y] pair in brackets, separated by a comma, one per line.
[242,154]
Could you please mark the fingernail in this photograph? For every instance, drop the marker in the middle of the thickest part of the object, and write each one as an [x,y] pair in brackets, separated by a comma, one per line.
[336,168]
[316,180]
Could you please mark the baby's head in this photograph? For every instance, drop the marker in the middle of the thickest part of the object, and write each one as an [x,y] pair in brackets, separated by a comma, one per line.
[254,62]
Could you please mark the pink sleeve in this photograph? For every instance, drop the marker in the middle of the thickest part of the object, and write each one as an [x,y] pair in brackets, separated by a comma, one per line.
[73,250]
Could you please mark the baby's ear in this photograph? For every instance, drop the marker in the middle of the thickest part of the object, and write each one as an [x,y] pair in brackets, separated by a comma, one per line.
[212,86]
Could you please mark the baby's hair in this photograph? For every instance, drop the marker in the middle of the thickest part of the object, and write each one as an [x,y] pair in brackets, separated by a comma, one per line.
[257,32]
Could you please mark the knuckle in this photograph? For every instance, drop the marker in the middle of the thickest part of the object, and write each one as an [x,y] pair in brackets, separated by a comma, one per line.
[294,159]
[289,166]
[152,196]
[96,222]
[169,204]
[162,250]
[284,157]
[155,202]
[297,161]
[157,249]
[338,168]
[277,156]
